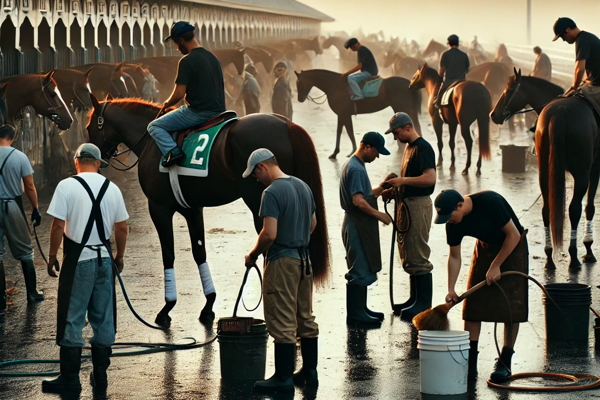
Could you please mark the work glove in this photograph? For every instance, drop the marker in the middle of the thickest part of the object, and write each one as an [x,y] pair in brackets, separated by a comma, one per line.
[36,217]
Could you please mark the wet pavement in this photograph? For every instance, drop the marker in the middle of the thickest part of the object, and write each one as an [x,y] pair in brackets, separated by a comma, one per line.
[353,363]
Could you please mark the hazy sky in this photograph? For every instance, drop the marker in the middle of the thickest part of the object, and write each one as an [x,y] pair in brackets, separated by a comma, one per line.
[495,21]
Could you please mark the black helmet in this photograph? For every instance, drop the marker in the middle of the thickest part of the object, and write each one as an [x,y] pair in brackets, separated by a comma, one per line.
[561,25]
[350,42]
[453,40]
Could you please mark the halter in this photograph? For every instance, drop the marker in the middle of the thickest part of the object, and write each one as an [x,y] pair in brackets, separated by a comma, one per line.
[507,114]
[52,110]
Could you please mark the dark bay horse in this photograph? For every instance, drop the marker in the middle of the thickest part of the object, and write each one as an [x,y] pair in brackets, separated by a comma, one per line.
[394,93]
[126,120]
[260,56]
[470,102]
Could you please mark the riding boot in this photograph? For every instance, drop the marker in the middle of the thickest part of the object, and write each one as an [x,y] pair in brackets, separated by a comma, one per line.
[411,299]
[375,314]
[172,156]
[30,282]
[68,380]
[2,289]
[502,371]
[424,293]
[281,381]
[473,354]
[308,373]
[100,362]
[355,305]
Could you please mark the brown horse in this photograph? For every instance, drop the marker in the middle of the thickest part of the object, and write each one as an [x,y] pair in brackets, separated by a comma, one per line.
[260,56]
[105,78]
[470,102]
[402,65]
[125,121]
[394,93]
[74,88]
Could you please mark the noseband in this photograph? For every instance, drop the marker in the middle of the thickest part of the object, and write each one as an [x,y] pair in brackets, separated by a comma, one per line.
[52,110]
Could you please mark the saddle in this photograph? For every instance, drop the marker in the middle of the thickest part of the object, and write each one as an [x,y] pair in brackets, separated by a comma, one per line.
[216,120]
[363,83]
[591,94]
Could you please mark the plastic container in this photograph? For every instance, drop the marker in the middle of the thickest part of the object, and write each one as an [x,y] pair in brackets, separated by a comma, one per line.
[570,323]
[514,158]
[244,355]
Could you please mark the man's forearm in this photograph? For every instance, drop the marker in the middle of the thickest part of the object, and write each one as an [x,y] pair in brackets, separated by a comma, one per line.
[56,232]
[31,194]
[578,76]
[509,245]
[453,270]
[120,240]
[263,244]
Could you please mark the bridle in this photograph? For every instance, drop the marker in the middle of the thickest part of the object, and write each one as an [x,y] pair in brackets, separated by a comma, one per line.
[52,110]
[507,114]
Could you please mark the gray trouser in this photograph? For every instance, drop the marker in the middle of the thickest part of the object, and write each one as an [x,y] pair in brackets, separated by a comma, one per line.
[14,226]
[414,250]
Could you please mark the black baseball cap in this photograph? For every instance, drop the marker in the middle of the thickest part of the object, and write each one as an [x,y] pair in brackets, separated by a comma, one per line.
[561,25]
[350,42]
[375,139]
[445,204]
[179,28]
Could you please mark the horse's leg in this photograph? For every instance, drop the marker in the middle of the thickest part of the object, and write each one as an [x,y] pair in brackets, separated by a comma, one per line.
[438,128]
[465,131]
[163,222]
[338,135]
[452,143]
[195,223]
[350,131]
[580,186]
[543,179]
[590,210]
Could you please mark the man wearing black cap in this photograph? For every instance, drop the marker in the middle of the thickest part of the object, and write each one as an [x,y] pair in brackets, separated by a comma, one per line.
[501,246]
[281,100]
[454,65]
[360,229]
[200,80]
[366,65]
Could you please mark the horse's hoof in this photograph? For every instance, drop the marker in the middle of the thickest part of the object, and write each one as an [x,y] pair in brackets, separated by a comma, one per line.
[478,173]
[206,316]
[465,172]
[550,264]
[333,156]
[575,264]
[163,320]
[589,258]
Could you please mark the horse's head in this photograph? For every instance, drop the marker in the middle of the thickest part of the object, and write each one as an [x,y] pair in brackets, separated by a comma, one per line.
[101,133]
[510,101]
[316,45]
[302,86]
[118,87]
[82,91]
[49,102]
[418,79]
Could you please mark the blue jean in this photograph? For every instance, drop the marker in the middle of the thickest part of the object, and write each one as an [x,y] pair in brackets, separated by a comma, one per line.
[92,293]
[181,118]
[354,80]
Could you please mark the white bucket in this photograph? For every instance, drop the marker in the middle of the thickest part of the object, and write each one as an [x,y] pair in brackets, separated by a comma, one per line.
[444,361]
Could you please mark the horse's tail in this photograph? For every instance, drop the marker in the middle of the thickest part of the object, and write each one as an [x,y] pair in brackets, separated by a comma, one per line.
[483,124]
[306,167]
[416,101]
[556,131]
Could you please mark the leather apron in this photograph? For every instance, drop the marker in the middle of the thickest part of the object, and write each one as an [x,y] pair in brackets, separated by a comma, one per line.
[368,230]
[72,250]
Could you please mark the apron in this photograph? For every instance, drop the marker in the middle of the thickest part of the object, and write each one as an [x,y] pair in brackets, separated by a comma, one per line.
[368,230]
[72,251]
[17,199]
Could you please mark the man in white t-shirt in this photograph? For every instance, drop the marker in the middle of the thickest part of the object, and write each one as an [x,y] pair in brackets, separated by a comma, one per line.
[85,208]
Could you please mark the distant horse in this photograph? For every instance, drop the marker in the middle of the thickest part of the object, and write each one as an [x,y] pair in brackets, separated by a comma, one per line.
[125,121]
[434,47]
[402,65]
[394,93]
[470,102]
[106,78]
[347,59]
[566,139]
[74,88]
[260,56]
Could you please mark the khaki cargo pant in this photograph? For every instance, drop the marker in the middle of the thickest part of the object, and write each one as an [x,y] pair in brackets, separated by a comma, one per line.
[287,292]
[414,250]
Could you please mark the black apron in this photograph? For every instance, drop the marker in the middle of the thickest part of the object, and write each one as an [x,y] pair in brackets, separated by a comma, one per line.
[17,199]
[72,251]
[368,230]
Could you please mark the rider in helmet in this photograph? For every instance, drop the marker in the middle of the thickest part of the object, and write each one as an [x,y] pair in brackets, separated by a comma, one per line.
[366,65]
[454,65]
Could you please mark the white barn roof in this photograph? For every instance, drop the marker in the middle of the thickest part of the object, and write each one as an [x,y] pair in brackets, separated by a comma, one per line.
[283,7]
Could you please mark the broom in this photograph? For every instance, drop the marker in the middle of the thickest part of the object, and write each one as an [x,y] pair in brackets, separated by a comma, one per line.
[436,319]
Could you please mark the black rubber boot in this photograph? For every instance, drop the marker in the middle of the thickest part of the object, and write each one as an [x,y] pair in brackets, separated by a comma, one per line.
[281,381]
[101,362]
[375,314]
[2,289]
[424,293]
[308,374]
[31,282]
[68,380]
[473,354]
[355,305]
[411,299]
[502,371]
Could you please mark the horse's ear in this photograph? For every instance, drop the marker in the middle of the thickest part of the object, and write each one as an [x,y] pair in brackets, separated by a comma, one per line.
[48,76]
[519,73]
[119,66]
[515,70]
[108,97]
[95,102]
[88,72]
[425,66]
[297,74]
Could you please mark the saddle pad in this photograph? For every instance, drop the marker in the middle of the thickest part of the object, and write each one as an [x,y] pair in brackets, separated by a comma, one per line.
[447,96]
[371,88]
[197,147]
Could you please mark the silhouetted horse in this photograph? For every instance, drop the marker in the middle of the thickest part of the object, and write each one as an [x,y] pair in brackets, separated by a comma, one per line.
[470,102]
[394,93]
[125,121]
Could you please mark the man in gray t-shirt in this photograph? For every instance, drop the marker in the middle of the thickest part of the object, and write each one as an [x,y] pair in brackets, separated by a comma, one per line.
[16,173]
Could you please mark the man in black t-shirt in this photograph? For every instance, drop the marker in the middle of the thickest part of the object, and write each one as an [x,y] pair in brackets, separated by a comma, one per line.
[501,246]
[454,65]
[414,186]
[200,80]
[366,65]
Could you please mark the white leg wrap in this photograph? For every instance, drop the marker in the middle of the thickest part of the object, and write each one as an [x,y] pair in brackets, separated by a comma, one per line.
[207,283]
[170,285]
[589,232]
[574,235]
[548,237]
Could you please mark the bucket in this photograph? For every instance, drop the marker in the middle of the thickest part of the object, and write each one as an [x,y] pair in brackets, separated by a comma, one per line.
[444,361]
[572,322]
[513,158]
[244,354]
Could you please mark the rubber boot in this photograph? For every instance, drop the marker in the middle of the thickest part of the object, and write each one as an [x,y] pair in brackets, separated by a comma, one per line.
[30,282]
[68,380]
[2,289]
[473,354]
[502,371]
[308,373]
[101,362]
[411,299]
[355,305]
[424,293]
[375,314]
[281,381]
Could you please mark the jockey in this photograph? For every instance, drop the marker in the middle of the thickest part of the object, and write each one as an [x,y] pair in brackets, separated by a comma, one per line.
[366,65]
[454,65]
[200,79]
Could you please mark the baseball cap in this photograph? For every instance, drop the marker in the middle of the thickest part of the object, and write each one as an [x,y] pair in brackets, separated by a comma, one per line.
[256,157]
[89,150]
[561,25]
[179,28]
[399,120]
[280,64]
[376,140]
[350,42]
[445,203]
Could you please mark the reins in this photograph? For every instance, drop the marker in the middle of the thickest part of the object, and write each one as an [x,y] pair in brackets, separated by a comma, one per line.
[314,99]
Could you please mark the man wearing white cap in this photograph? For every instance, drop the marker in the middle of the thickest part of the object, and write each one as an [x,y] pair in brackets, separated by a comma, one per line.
[288,212]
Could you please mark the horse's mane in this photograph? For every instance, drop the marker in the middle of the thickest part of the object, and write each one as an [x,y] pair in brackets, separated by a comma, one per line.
[322,71]
[544,83]
[132,106]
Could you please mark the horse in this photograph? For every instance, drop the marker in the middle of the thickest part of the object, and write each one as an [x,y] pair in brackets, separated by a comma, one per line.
[74,87]
[106,78]
[394,93]
[260,56]
[402,65]
[470,102]
[125,121]
[566,138]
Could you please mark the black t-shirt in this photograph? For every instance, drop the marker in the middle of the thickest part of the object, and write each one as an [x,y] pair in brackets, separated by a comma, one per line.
[490,213]
[365,57]
[418,156]
[456,63]
[201,71]
[587,47]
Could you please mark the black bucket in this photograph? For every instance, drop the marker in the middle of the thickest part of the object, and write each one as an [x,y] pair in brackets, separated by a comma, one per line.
[514,158]
[570,323]
[244,354]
